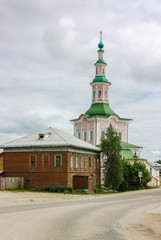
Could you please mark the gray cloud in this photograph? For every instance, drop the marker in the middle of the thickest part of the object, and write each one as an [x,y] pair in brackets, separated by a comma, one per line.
[47,52]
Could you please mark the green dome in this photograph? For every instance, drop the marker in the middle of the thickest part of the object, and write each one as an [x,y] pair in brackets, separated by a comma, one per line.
[100,45]
[100,61]
[100,79]
[101,109]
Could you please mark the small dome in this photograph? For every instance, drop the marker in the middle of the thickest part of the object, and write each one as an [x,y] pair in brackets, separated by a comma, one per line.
[100,45]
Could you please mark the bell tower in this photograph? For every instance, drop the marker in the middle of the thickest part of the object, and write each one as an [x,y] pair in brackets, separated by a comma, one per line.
[92,125]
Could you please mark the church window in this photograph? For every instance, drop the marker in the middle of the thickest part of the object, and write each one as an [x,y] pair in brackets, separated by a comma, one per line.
[103,70]
[105,94]
[79,135]
[120,136]
[81,163]
[99,94]
[94,95]
[76,161]
[58,160]
[102,134]
[91,135]
[150,170]
[85,136]
[96,70]
[71,161]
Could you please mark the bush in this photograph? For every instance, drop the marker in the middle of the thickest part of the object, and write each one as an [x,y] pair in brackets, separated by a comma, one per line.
[57,188]
[79,191]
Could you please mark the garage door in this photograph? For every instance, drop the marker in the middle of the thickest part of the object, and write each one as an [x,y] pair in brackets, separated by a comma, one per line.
[80,182]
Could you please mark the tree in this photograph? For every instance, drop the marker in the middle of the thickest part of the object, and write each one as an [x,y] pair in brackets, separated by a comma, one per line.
[131,181]
[135,181]
[111,148]
[127,176]
[159,161]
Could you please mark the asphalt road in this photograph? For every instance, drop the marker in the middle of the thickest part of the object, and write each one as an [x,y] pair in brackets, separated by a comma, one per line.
[93,219]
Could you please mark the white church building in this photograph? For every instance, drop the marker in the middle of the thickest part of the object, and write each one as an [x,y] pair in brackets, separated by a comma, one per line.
[92,125]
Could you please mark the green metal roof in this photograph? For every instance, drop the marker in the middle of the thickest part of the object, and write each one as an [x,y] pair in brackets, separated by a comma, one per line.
[100,61]
[127,153]
[102,109]
[125,145]
[100,79]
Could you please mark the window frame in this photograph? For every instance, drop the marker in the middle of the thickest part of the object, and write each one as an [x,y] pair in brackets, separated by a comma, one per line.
[55,160]
[94,181]
[30,161]
[43,160]
[79,135]
[90,162]
[94,162]
[76,161]
[94,95]
[91,135]
[86,162]
[106,94]
[72,161]
[98,163]
[99,94]
[85,136]
[81,161]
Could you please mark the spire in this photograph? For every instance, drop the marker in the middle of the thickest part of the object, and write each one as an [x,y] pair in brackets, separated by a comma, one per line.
[100,87]
[100,45]
[100,65]
[101,35]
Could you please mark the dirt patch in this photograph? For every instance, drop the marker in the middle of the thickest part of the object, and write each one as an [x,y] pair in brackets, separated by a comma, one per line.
[143,225]
[24,198]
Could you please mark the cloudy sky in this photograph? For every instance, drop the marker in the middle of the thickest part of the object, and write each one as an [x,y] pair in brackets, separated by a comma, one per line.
[47,52]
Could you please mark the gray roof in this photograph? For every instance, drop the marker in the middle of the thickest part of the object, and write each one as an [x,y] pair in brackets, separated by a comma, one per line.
[49,138]
[155,164]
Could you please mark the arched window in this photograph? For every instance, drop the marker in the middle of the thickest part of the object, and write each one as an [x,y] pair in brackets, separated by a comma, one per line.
[94,95]
[105,94]
[99,94]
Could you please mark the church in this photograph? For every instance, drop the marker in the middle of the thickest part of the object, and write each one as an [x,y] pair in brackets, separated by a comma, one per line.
[53,157]
[92,125]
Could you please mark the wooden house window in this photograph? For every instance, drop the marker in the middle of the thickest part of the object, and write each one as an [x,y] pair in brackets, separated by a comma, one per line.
[58,160]
[94,182]
[86,161]
[81,161]
[32,161]
[71,161]
[76,161]
[94,162]
[46,160]
[98,163]
[90,162]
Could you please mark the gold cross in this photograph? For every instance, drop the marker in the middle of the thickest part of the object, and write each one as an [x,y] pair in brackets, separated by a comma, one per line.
[101,35]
